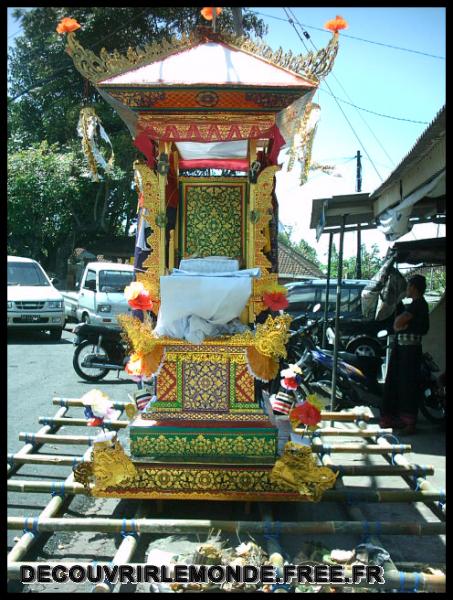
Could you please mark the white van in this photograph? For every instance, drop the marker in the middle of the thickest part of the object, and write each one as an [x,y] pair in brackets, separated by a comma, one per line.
[101,296]
[33,302]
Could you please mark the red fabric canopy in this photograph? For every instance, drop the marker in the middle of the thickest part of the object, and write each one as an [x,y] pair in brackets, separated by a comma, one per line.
[235,164]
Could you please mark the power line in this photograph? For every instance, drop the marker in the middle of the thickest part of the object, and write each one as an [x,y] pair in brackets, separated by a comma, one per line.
[343,113]
[357,110]
[378,114]
[290,21]
[360,39]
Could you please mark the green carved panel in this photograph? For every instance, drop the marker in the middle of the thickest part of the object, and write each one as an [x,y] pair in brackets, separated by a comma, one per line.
[213,219]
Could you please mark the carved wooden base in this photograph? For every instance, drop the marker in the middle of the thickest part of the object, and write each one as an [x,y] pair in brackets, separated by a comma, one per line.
[200,482]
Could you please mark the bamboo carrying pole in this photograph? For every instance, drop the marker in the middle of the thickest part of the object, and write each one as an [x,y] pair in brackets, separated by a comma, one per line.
[420,482]
[332,432]
[353,511]
[364,448]
[108,423]
[344,416]
[29,447]
[393,578]
[186,526]
[45,459]
[67,402]
[127,547]
[374,470]
[349,493]
[52,508]
[45,487]
[82,440]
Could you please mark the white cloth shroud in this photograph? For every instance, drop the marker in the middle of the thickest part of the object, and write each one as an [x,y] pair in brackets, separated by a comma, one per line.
[209,264]
[197,306]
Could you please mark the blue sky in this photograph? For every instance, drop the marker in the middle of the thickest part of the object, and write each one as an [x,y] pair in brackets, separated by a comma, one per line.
[385,80]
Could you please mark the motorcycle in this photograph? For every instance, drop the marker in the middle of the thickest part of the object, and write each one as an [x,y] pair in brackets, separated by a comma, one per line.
[356,373]
[317,364]
[98,350]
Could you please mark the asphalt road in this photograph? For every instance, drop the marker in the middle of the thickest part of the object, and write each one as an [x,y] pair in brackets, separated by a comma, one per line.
[39,369]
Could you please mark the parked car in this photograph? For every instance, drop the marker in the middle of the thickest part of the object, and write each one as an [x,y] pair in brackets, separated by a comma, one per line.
[33,301]
[357,335]
[100,298]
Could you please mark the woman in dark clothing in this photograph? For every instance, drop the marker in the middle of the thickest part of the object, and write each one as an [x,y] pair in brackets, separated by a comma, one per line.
[402,391]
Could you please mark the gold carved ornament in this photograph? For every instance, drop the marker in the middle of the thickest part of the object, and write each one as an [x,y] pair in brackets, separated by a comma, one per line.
[149,349]
[83,473]
[262,214]
[111,466]
[95,68]
[297,470]
[263,350]
[151,204]
[271,336]
[270,345]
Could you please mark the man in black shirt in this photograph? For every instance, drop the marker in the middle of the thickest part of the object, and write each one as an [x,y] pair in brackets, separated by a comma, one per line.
[402,391]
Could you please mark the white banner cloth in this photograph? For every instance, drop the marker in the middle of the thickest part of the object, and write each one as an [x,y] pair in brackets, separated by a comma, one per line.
[193,306]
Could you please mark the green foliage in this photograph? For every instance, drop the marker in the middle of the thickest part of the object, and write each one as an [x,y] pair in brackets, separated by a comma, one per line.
[301,246]
[42,185]
[371,263]
[50,197]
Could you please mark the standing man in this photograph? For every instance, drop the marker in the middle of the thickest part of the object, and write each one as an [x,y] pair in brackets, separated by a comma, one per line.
[402,391]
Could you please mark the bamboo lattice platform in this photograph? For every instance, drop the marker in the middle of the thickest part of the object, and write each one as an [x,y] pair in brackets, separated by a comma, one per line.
[367,440]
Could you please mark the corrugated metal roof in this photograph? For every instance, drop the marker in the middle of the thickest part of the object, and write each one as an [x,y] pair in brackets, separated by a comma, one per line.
[432,134]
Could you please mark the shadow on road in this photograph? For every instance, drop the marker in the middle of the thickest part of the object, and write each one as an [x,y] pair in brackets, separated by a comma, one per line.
[32,338]
[106,381]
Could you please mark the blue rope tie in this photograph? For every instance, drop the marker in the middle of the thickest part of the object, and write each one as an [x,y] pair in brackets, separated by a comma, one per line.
[416,478]
[350,500]
[402,581]
[34,526]
[272,530]
[10,459]
[63,402]
[75,462]
[417,581]
[284,586]
[367,533]
[133,532]
[378,528]
[109,583]
[390,435]
[30,438]
[53,490]
[46,421]
[316,434]
[326,448]
[443,499]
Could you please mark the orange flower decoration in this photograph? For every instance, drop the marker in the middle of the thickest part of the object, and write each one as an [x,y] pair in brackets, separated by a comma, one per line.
[336,24]
[139,366]
[275,300]
[207,12]
[138,297]
[305,413]
[67,25]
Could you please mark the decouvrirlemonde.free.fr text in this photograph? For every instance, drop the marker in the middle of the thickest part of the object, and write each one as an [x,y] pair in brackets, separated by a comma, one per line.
[217,574]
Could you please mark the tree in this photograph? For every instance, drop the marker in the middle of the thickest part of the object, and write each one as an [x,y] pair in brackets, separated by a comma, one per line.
[302,246]
[46,94]
[371,263]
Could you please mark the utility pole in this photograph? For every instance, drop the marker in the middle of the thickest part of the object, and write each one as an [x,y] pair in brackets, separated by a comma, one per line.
[359,172]
[237,19]
[359,237]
